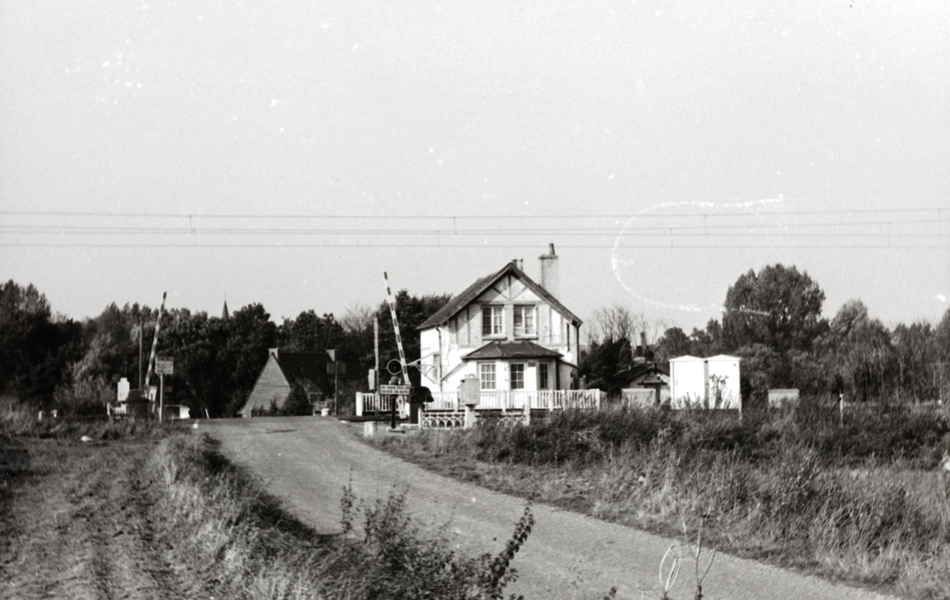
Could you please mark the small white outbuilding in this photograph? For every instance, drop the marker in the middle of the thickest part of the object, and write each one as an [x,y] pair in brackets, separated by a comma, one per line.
[705,382]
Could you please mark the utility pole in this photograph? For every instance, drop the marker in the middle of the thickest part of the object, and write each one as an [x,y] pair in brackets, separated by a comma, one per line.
[376,352]
[141,333]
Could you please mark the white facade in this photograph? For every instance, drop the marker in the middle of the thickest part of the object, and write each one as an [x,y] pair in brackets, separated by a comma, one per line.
[705,382]
[507,308]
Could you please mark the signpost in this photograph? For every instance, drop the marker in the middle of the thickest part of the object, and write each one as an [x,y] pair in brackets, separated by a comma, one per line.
[335,368]
[394,391]
[163,366]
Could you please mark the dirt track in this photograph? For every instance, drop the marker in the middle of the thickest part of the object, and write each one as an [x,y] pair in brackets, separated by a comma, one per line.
[81,527]
[307,461]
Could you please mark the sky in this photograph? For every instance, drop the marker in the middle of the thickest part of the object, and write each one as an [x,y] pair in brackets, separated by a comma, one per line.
[290,153]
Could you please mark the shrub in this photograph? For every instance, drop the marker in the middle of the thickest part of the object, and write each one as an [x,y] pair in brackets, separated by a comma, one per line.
[217,517]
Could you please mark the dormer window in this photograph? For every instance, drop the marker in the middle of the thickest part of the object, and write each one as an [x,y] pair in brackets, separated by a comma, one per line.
[526,322]
[493,320]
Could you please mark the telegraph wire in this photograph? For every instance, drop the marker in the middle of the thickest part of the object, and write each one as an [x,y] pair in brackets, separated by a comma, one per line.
[448,217]
[191,229]
[342,246]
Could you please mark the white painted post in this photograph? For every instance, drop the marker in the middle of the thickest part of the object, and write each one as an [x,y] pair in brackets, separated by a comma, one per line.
[359,404]
[469,416]
[527,411]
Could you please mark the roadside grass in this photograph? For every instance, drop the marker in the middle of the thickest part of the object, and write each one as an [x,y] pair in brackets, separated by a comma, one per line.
[248,547]
[866,502]
[157,510]
[19,419]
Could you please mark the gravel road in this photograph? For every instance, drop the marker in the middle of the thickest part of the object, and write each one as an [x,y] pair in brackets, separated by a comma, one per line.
[306,461]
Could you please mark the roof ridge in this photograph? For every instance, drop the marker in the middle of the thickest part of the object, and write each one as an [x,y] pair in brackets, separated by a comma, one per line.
[463,299]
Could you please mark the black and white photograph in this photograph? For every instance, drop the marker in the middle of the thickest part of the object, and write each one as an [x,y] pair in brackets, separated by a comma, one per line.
[361,300]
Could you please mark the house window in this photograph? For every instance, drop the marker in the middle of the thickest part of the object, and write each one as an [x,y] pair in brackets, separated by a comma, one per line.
[517,376]
[486,375]
[493,320]
[526,322]
[543,376]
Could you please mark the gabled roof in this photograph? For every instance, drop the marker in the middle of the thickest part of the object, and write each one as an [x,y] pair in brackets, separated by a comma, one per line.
[307,369]
[476,289]
[643,369]
[522,349]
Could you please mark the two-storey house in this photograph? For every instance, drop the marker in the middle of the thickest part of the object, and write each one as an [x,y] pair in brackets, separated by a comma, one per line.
[505,329]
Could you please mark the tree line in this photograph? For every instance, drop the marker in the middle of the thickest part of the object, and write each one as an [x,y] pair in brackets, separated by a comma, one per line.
[50,360]
[773,321]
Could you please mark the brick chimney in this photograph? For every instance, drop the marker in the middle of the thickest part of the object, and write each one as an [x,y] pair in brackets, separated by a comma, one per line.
[549,276]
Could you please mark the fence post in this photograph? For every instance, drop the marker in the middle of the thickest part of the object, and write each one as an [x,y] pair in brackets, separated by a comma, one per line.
[359,404]
[598,399]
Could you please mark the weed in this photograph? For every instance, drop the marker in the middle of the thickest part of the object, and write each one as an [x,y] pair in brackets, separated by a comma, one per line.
[866,501]
[251,548]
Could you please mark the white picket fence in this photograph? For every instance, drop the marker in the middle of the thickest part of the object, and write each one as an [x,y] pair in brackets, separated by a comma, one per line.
[505,400]
[371,403]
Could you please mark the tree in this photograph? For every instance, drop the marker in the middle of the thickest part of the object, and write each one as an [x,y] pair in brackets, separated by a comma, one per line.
[198,343]
[857,349]
[110,351]
[24,320]
[250,334]
[602,361]
[916,353]
[674,342]
[612,323]
[310,333]
[707,342]
[778,307]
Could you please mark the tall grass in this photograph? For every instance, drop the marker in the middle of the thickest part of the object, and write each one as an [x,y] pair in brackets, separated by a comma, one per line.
[219,520]
[865,501]
[22,419]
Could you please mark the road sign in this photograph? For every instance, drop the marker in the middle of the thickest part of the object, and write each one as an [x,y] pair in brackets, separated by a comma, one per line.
[164,366]
[394,390]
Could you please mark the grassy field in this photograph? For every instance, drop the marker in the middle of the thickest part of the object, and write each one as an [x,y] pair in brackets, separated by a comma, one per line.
[145,511]
[866,501]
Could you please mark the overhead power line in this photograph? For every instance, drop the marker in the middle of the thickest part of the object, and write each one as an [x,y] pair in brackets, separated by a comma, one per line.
[907,228]
[745,229]
[447,246]
[701,211]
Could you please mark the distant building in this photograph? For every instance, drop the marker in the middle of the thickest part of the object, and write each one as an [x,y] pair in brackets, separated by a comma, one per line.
[645,376]
[705,382]
[506,330]
[282,371]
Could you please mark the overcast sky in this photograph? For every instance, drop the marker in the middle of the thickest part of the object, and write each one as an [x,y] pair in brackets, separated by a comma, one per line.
[288,153]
